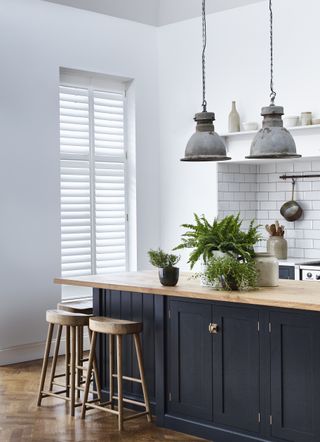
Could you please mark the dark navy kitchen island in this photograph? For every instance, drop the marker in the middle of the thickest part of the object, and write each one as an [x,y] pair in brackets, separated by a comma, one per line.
[224,366]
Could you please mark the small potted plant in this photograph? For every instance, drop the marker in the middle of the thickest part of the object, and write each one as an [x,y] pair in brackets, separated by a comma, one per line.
[229,273]
[168,273]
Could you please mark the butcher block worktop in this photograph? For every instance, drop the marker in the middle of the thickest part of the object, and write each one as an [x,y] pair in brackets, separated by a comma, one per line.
[302,295]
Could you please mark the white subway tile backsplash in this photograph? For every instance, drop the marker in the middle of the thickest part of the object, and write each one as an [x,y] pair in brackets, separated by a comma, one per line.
[267,187]
[304,243]
[311,253]
[258,193]
[268,168]
[283,167]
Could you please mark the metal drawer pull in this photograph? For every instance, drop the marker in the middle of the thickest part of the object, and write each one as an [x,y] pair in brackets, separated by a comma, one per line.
[213,328]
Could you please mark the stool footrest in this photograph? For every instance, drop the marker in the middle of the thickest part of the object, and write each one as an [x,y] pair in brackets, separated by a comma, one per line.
[101,407]
[62,375]
[133,416]
[131,401]
[128,378]
[56,394]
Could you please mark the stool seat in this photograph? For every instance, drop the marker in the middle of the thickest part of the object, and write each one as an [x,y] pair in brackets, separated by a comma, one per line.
[113,326]
[84,307]
[67,318]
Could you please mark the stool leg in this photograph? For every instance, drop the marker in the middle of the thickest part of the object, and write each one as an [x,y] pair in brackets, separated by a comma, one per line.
[73,368]
[55,357]
[90,364]
[120,392]
[79,358]
[67,360]
[45,362]
[111,369]
[137,343]
[95,370]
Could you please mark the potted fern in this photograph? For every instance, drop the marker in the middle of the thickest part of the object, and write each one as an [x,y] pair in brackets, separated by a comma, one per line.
[219,238]
[168,273]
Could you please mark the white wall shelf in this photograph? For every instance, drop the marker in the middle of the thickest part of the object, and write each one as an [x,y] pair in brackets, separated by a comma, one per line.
[252,132]
[307,140]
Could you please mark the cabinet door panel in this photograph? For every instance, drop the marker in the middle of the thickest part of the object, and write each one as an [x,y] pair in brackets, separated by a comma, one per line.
[190,360]
[236,368]
[294,372]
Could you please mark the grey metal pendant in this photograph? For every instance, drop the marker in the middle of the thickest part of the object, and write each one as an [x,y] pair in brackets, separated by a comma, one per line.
[273,140]
[205,144]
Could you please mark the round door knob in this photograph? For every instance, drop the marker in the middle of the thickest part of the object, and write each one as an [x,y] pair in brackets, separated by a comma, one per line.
[318,277]
[309,275]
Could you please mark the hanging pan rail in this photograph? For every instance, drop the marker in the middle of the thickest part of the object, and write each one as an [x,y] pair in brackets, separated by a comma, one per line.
[301,176]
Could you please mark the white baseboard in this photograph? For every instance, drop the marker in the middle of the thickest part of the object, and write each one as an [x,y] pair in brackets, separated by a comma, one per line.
[33,351]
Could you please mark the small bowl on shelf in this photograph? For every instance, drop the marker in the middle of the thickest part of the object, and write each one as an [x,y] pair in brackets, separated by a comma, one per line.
[249,125]
[291,121]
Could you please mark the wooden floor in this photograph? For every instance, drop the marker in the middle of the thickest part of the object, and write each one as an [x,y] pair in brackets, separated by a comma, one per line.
[21,420]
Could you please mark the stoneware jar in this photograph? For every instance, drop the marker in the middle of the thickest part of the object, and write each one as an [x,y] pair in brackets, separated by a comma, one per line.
[268,270]
[169,276]
[277,246]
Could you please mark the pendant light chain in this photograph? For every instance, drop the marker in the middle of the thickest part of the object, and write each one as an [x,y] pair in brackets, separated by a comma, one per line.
[204,45]
[273,93]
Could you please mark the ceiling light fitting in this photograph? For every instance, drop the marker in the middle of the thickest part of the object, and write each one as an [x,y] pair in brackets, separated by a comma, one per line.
[273,140]
[205,144]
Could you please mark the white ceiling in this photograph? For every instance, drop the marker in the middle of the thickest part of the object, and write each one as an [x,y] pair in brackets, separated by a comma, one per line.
[154,12]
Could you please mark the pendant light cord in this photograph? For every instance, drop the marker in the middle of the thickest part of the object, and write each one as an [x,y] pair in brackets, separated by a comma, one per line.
[204,45]
[273,93]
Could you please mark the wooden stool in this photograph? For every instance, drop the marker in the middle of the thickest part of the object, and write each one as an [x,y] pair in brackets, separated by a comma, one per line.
[71,321]
[86,308]
[118,328]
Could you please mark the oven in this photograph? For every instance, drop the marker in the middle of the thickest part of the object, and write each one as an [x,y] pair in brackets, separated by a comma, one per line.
[309,271]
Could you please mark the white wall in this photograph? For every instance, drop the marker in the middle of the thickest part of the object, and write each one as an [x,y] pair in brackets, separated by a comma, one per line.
[35,39]
[237,69]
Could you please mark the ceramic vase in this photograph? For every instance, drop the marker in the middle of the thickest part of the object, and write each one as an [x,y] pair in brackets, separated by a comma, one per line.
[234,119]
[268,270]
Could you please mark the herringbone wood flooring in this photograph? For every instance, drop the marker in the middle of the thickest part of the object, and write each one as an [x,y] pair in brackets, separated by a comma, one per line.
[21,420]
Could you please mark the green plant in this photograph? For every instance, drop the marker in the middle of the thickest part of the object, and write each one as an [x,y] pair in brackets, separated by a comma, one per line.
[230,273]
[224,235]
[159,258]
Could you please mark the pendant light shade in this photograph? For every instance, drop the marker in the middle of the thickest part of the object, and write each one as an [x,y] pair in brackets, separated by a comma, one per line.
[205,144]
[273,140]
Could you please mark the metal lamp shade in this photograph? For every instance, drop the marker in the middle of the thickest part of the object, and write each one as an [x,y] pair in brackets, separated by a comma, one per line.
[273,140]
[205,144]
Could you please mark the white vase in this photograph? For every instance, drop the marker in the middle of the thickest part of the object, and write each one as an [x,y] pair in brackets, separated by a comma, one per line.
[234,119]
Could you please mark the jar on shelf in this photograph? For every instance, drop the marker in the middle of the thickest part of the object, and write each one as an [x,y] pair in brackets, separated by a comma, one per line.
[268,270]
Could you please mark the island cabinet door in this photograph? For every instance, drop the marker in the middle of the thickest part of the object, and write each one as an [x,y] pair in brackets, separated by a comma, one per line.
[236,368]
[295,373]
[189,359]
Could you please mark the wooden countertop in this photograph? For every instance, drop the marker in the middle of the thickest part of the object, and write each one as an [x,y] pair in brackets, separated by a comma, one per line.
[302,295]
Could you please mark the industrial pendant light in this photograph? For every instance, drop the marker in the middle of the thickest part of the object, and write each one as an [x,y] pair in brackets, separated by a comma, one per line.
[205,144]
[273,140]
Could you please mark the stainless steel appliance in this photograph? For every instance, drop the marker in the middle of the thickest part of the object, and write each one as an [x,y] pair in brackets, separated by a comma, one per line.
[309,271]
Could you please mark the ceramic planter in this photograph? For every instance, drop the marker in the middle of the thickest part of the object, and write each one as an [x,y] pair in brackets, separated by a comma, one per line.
[169,276]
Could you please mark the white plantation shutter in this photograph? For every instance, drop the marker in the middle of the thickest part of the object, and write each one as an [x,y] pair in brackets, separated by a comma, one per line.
[93,184]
